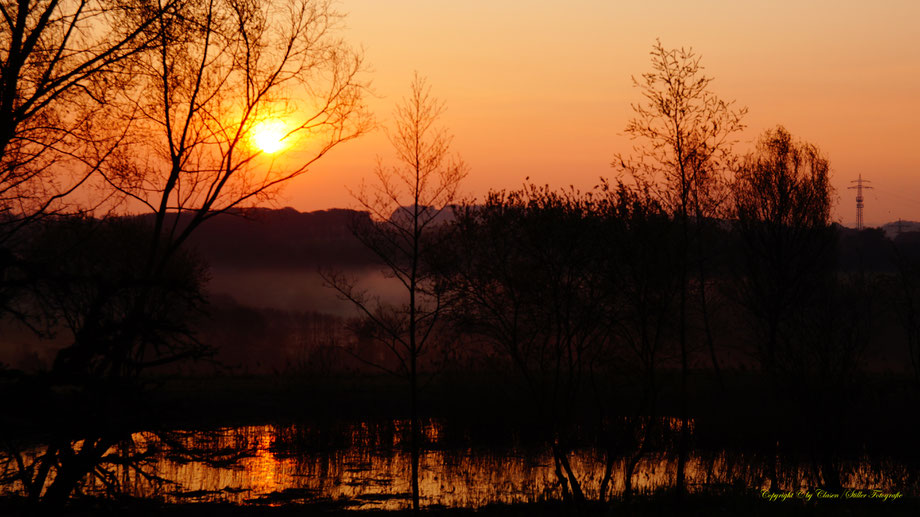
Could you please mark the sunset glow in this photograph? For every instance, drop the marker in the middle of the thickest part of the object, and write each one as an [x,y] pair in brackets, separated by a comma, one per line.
[269,136]
[524,101]
[308,256]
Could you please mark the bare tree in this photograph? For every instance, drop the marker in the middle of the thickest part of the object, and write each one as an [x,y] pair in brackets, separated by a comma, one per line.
[219,72]
[213,76]
[60,63]
[220,76]
[407,206]
[686,134]
[91,297]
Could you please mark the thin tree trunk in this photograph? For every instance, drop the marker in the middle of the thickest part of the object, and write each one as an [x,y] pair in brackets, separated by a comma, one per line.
[413,408]
[628,471]
[684,442]
[577,493]
[830,474]
[415,439]
[563,481]
[413,342]
[773,401]
[704,306]
[608,473]
[72,470]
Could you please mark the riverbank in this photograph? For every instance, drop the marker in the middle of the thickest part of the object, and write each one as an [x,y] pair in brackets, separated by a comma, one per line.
[331,444]
[751,504]
[879,420]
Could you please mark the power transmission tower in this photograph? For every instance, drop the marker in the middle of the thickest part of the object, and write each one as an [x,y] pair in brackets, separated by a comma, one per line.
[859,199]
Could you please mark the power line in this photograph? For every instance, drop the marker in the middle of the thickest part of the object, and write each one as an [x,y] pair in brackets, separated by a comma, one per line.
[859,199]
[899,195]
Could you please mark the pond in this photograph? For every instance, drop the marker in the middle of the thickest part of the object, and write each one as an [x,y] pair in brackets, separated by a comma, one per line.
[365,465]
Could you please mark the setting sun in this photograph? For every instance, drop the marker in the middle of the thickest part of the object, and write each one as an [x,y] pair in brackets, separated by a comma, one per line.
[269,136]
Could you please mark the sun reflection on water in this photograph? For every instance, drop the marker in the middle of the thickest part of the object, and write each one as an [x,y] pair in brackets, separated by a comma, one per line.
[366,465]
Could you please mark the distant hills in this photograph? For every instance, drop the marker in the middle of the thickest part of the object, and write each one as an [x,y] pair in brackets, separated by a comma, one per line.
[893,229]
[289,239]
[282,238]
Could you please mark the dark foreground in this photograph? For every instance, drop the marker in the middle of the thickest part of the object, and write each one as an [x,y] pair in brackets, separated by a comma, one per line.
[883,425]
[664,505]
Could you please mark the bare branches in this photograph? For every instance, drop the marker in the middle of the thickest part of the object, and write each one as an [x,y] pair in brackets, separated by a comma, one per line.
[60,62]
[685,137]
[221,71]
[427,174]
[402,231]
[684,133]
[164,100]
[784,183]
[404,207]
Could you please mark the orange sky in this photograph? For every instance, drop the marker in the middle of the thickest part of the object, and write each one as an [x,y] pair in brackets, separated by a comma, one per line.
[544,90]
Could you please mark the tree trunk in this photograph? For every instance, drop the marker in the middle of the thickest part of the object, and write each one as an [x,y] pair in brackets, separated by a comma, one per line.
[562,460]
[563,481]
[72,470]
[710,341]
[608,473]
[774,398]
[415,434]
[684,442]
[628,471]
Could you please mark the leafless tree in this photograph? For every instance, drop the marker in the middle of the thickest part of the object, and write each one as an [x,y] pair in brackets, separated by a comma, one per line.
[208,80]
[60,63]
[220,75]
[216,72]
[685,133]
[407,205]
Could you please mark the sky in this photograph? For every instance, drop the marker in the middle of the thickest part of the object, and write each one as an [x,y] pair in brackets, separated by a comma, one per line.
[544,89]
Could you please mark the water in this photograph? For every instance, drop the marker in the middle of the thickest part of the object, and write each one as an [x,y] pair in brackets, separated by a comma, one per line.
[365,465]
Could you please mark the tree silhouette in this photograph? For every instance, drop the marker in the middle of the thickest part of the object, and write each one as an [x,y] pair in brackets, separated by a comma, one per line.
[782,200]
[209,75]
[60,63]
[91,298]
[527,279]
[404,230]
[218,73]
[640,265]
[685,133]
[906,257]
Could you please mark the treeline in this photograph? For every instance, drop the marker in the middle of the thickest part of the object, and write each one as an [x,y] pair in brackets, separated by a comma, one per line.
[579,295]
[623,311]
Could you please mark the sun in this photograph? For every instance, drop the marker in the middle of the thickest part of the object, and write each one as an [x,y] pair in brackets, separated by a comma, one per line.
[269,136]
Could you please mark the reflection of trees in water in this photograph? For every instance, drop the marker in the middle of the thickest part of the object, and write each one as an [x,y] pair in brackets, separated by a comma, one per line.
[363,465]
